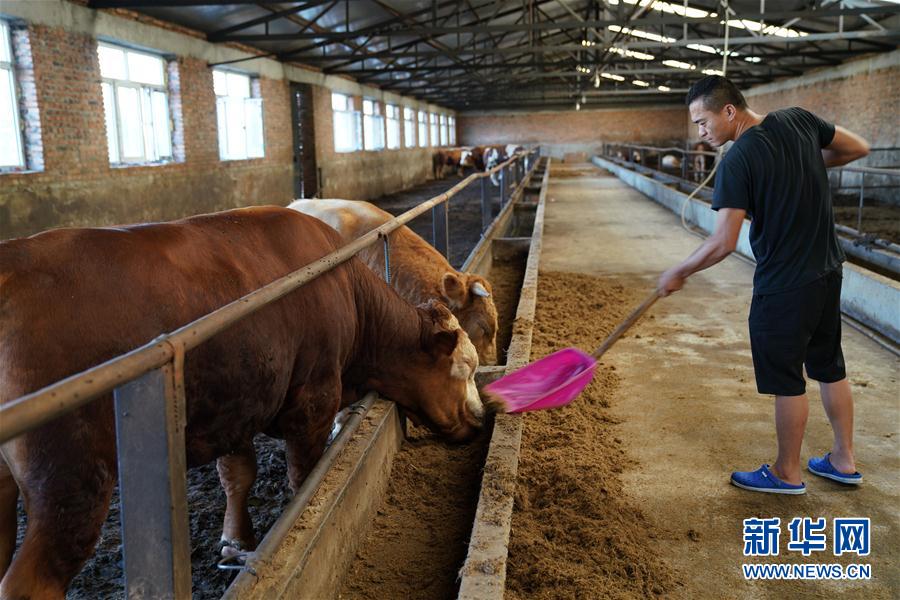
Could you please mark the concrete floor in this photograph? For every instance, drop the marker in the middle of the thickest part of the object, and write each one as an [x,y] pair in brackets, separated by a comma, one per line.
[689,408]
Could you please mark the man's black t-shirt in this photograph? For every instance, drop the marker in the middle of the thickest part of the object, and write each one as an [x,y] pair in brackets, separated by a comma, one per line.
[775,171]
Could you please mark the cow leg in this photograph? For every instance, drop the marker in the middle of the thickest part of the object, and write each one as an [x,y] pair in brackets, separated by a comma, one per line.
[307,425]
[237,472]
[302,455]
[66,505]
[9,496]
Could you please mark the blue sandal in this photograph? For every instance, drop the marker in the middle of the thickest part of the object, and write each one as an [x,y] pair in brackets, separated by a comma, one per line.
[822,467]
[763,480]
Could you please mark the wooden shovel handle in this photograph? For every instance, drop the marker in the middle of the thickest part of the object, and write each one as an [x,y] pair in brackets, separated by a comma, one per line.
[626,324]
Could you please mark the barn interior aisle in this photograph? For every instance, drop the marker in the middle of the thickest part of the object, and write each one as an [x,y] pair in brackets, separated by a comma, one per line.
[685,407]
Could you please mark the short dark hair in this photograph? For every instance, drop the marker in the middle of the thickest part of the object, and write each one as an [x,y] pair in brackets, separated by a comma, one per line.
[716,91]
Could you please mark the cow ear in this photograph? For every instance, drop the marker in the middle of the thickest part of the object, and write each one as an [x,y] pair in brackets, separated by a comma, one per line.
[454,290]
[444,343]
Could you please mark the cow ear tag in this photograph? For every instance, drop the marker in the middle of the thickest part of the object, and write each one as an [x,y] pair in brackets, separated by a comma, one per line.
[479,290]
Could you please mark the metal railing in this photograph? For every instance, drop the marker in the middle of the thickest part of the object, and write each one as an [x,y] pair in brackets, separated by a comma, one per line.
[150,405]
[884,174]
[638,154]
[635,154]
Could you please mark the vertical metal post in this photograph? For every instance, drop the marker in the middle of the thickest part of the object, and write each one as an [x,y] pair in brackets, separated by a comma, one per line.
[862,188]
[503,186]
[486,212]
[440,221]
[150,422]
[684,162]
[387,257]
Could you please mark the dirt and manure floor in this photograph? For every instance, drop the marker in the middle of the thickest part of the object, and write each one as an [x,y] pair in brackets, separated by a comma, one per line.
[576,533]
[879,218]
[102,575]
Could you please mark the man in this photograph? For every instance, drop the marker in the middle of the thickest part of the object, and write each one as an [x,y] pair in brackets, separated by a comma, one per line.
[775,173]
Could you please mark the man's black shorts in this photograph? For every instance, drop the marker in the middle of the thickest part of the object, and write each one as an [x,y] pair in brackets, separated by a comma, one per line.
[788,329]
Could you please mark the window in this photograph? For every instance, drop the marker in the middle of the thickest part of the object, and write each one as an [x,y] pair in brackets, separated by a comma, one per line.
[136,105]
[433,118]
[423,130]
[409,127]
[373,125]
[443,130]
[11,155]
[240,116]
[347,128]
[451,123]
[393,126]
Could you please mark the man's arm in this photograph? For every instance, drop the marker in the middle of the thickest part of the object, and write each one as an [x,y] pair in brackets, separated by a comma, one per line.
[845,147]
[720,244]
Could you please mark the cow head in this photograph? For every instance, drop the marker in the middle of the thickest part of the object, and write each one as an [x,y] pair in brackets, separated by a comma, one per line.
[436,384]
[470,299]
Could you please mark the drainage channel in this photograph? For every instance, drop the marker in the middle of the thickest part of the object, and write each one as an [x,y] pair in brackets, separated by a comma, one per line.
[393,514]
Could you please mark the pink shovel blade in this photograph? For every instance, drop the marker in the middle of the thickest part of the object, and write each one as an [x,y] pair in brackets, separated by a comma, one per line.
[550,382]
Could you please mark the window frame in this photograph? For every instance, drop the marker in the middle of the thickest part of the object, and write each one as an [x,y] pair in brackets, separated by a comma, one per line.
[445,139]
[373,120]
[451,128]
[392,124]
[252,102]
[422,129]
[433,130]
[355,120]
[144,91]
[409,127]
[13,83]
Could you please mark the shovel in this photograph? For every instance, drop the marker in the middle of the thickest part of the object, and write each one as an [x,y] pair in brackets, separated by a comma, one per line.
[558,378]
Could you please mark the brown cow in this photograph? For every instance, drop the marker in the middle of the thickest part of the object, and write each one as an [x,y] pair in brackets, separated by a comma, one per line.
[418,272]
[454,158]
[438,160]
[73,298]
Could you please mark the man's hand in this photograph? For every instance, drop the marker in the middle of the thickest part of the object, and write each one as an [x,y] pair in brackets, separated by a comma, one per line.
[670,282]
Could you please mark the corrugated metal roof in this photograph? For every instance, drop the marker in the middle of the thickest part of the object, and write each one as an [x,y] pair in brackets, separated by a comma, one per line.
[542,53]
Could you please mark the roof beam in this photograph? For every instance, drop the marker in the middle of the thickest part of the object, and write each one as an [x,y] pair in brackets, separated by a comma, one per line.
[386,29]
[762,40]
[222,34]
[155,3]
[372,28]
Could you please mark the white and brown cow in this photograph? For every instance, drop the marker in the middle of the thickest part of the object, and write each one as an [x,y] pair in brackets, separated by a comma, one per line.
[73,298]
[418,272]
[493,156]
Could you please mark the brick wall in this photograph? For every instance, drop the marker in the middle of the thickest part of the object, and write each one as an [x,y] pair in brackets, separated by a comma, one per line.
[865,102]
[578,131]
[362,175]
[77,186]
